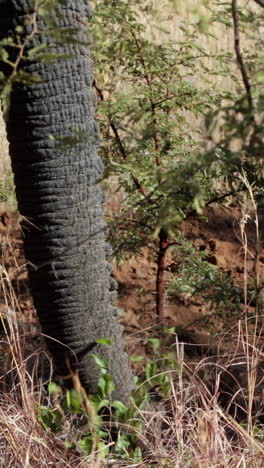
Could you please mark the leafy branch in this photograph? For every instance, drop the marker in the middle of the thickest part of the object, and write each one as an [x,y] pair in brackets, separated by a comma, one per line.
[152,141]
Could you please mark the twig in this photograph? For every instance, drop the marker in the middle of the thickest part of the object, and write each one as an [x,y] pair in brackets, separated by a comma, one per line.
[260,2]
[216,199]
[239,56]
[119,141]
[160,283]
[152,103]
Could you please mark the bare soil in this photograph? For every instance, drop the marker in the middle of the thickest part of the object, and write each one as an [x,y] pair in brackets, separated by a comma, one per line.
[218,232]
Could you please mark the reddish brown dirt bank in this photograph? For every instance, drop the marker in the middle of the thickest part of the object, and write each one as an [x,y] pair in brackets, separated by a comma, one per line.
[219,233]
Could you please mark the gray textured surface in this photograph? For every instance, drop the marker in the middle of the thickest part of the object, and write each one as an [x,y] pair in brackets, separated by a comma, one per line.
[58,192]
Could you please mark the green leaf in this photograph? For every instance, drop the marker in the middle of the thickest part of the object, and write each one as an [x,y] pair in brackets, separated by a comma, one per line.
[122,443]
[86,443]
[27,78]
[19,29]
[104,341]
[105,385]
[151,370]
[259,76]
[170,331]
[154,343]
[74,401]
[120,407]
[101,362]
[103,404]
[138,456]
[50,418]
[110,386]
[4,56]
[54,388]
[136,358]
[32,53]
[69,445]
[203,24]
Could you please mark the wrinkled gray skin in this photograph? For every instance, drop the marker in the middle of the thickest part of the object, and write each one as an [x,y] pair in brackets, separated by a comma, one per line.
[59,195]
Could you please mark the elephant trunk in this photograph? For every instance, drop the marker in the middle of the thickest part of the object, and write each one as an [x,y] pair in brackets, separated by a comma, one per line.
[53,140]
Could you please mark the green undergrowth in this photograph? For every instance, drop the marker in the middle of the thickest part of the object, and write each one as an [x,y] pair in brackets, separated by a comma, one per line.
[7,193]
[112,427]
[165,413]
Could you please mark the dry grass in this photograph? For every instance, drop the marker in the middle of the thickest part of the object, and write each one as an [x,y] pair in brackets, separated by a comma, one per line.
[24,443]
[196,431]
[214,417]
[25,370]
[4,158]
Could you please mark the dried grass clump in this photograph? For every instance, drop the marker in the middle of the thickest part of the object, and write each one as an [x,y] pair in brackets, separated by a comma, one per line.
[25,371]
[24,442]
[197,429]
[24,375]
[192,428]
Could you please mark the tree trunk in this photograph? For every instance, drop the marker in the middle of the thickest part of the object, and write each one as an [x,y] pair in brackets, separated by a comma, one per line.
[53,138]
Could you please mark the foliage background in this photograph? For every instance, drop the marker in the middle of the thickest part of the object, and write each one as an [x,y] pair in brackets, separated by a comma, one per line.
[171,12]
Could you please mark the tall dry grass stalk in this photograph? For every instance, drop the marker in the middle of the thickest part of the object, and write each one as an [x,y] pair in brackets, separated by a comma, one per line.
[4,157]
[253,344]
[25,371]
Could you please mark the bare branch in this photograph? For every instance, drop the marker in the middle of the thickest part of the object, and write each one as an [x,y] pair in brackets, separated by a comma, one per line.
[239,56]
[119,142]
[260,2]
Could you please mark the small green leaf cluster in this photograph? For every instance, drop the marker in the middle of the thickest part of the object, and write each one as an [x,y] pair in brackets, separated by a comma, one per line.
[7,195]
[113,426]
[162,369]
[200,279]
[50,418]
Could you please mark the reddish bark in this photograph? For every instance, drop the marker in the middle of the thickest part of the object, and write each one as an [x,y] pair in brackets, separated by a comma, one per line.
[160,283]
